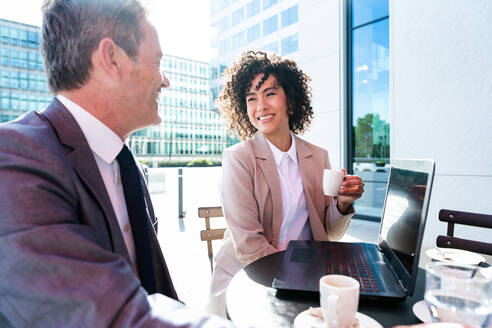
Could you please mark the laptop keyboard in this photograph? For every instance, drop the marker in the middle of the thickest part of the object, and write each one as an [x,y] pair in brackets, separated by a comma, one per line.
[351,261]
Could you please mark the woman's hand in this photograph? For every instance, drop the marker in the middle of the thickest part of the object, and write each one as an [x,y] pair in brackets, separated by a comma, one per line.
[351,189]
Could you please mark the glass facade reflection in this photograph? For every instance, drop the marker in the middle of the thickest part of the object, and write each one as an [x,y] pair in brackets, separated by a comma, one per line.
[268,25]
[189,128]
[369,127]
[22,80]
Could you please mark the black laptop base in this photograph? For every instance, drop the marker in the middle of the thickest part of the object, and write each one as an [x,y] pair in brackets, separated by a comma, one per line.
[305,262]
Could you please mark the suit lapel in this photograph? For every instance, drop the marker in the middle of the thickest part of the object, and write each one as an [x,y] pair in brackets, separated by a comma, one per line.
[264,158]
[82,160]
[308,174]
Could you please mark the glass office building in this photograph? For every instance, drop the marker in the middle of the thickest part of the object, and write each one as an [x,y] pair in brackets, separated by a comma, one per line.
[22,80]
[270,25]
[189,128]
[344,46]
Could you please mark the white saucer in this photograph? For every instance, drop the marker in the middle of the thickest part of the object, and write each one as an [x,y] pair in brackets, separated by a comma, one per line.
[421,311]
[305,320]
[453,255]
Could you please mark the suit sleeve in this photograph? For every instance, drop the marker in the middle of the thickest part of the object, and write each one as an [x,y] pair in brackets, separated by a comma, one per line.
[336,223]
[241,209]
[52,271]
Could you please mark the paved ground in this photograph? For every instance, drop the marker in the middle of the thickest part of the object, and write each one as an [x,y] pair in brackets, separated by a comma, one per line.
[185,253]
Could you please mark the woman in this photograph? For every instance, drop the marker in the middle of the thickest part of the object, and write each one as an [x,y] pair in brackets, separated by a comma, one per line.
[272,183]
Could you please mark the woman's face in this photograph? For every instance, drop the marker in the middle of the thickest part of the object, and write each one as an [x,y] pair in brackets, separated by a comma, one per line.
[267,107]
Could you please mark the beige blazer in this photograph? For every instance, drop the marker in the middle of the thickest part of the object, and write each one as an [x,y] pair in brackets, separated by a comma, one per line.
[252,201]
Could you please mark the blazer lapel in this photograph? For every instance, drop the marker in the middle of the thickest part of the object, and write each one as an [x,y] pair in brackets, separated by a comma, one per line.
[82,160]
[308,174]
[267,164]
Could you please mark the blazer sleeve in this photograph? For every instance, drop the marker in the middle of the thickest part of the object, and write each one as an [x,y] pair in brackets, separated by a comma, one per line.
[336,223]
[53,273]
[241,208]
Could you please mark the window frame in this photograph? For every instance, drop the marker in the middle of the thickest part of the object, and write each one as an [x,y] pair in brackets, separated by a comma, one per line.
[349,105]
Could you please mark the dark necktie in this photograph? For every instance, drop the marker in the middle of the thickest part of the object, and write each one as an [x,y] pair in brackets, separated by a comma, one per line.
[137,213]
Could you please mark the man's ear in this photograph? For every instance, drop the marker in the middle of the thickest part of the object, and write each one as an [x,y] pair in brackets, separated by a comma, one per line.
[109,57]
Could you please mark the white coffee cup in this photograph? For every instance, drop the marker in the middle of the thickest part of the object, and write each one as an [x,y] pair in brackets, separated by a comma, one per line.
[332,180]
[339,298]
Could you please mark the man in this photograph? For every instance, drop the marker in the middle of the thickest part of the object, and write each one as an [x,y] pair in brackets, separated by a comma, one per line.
[77,246]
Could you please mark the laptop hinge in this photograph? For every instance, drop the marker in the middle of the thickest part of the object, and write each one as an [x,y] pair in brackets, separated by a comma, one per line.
[400,283]
[402,287]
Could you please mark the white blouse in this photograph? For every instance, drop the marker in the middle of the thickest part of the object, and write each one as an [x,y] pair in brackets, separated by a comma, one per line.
[295,223]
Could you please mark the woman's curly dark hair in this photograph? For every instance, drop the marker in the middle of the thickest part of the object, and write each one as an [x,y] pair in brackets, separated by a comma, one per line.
[232,100]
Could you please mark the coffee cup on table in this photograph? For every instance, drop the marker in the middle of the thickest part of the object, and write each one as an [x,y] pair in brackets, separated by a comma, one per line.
[332,180]
[339,299]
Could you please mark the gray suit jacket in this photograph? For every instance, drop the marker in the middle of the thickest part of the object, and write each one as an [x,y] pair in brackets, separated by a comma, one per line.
[64,262]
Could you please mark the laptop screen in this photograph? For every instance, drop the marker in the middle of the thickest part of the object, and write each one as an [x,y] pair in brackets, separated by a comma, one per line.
[403,213]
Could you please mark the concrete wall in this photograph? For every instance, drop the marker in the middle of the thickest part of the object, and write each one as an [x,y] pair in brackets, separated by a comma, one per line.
[441,101]
[319,56]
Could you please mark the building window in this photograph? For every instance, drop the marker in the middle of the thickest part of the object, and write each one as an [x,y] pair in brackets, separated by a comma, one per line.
[14,36]
[5,80]
[269,3]
[23,38]
[224,46]
[238,16]
[368,101]
[252,8]
[223,4]
[238,40]
[290,16]
[367,11]
[271,47]
[5,34]
[33,39]
[14,58]
[4,53]
[270,25]
[253,33]
[222,69]
[23,59]
[214,8]
[290,44]
[5,103]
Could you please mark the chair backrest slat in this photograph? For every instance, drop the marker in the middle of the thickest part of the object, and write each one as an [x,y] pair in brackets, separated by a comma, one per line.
[469,245]
[210,234]
[210,212]
[465,218]
[472,219]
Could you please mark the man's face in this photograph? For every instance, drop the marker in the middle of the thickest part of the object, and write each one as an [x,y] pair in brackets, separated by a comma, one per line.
[145,81]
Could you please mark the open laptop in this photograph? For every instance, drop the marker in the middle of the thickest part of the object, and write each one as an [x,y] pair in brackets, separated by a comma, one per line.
[386,270]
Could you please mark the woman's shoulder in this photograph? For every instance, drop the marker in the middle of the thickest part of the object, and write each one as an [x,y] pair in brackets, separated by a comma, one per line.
[240,150]
[315,149]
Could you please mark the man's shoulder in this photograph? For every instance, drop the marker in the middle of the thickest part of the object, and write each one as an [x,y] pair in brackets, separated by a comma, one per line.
[29,131]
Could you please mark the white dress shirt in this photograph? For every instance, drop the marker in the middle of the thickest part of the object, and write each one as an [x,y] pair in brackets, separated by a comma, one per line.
[105,146]
[295,223]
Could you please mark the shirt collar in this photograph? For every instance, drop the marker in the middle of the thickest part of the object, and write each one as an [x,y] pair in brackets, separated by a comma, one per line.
[278,155]
[102,140]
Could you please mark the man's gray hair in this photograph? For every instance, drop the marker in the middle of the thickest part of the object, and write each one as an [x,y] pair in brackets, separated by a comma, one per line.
[72,30]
